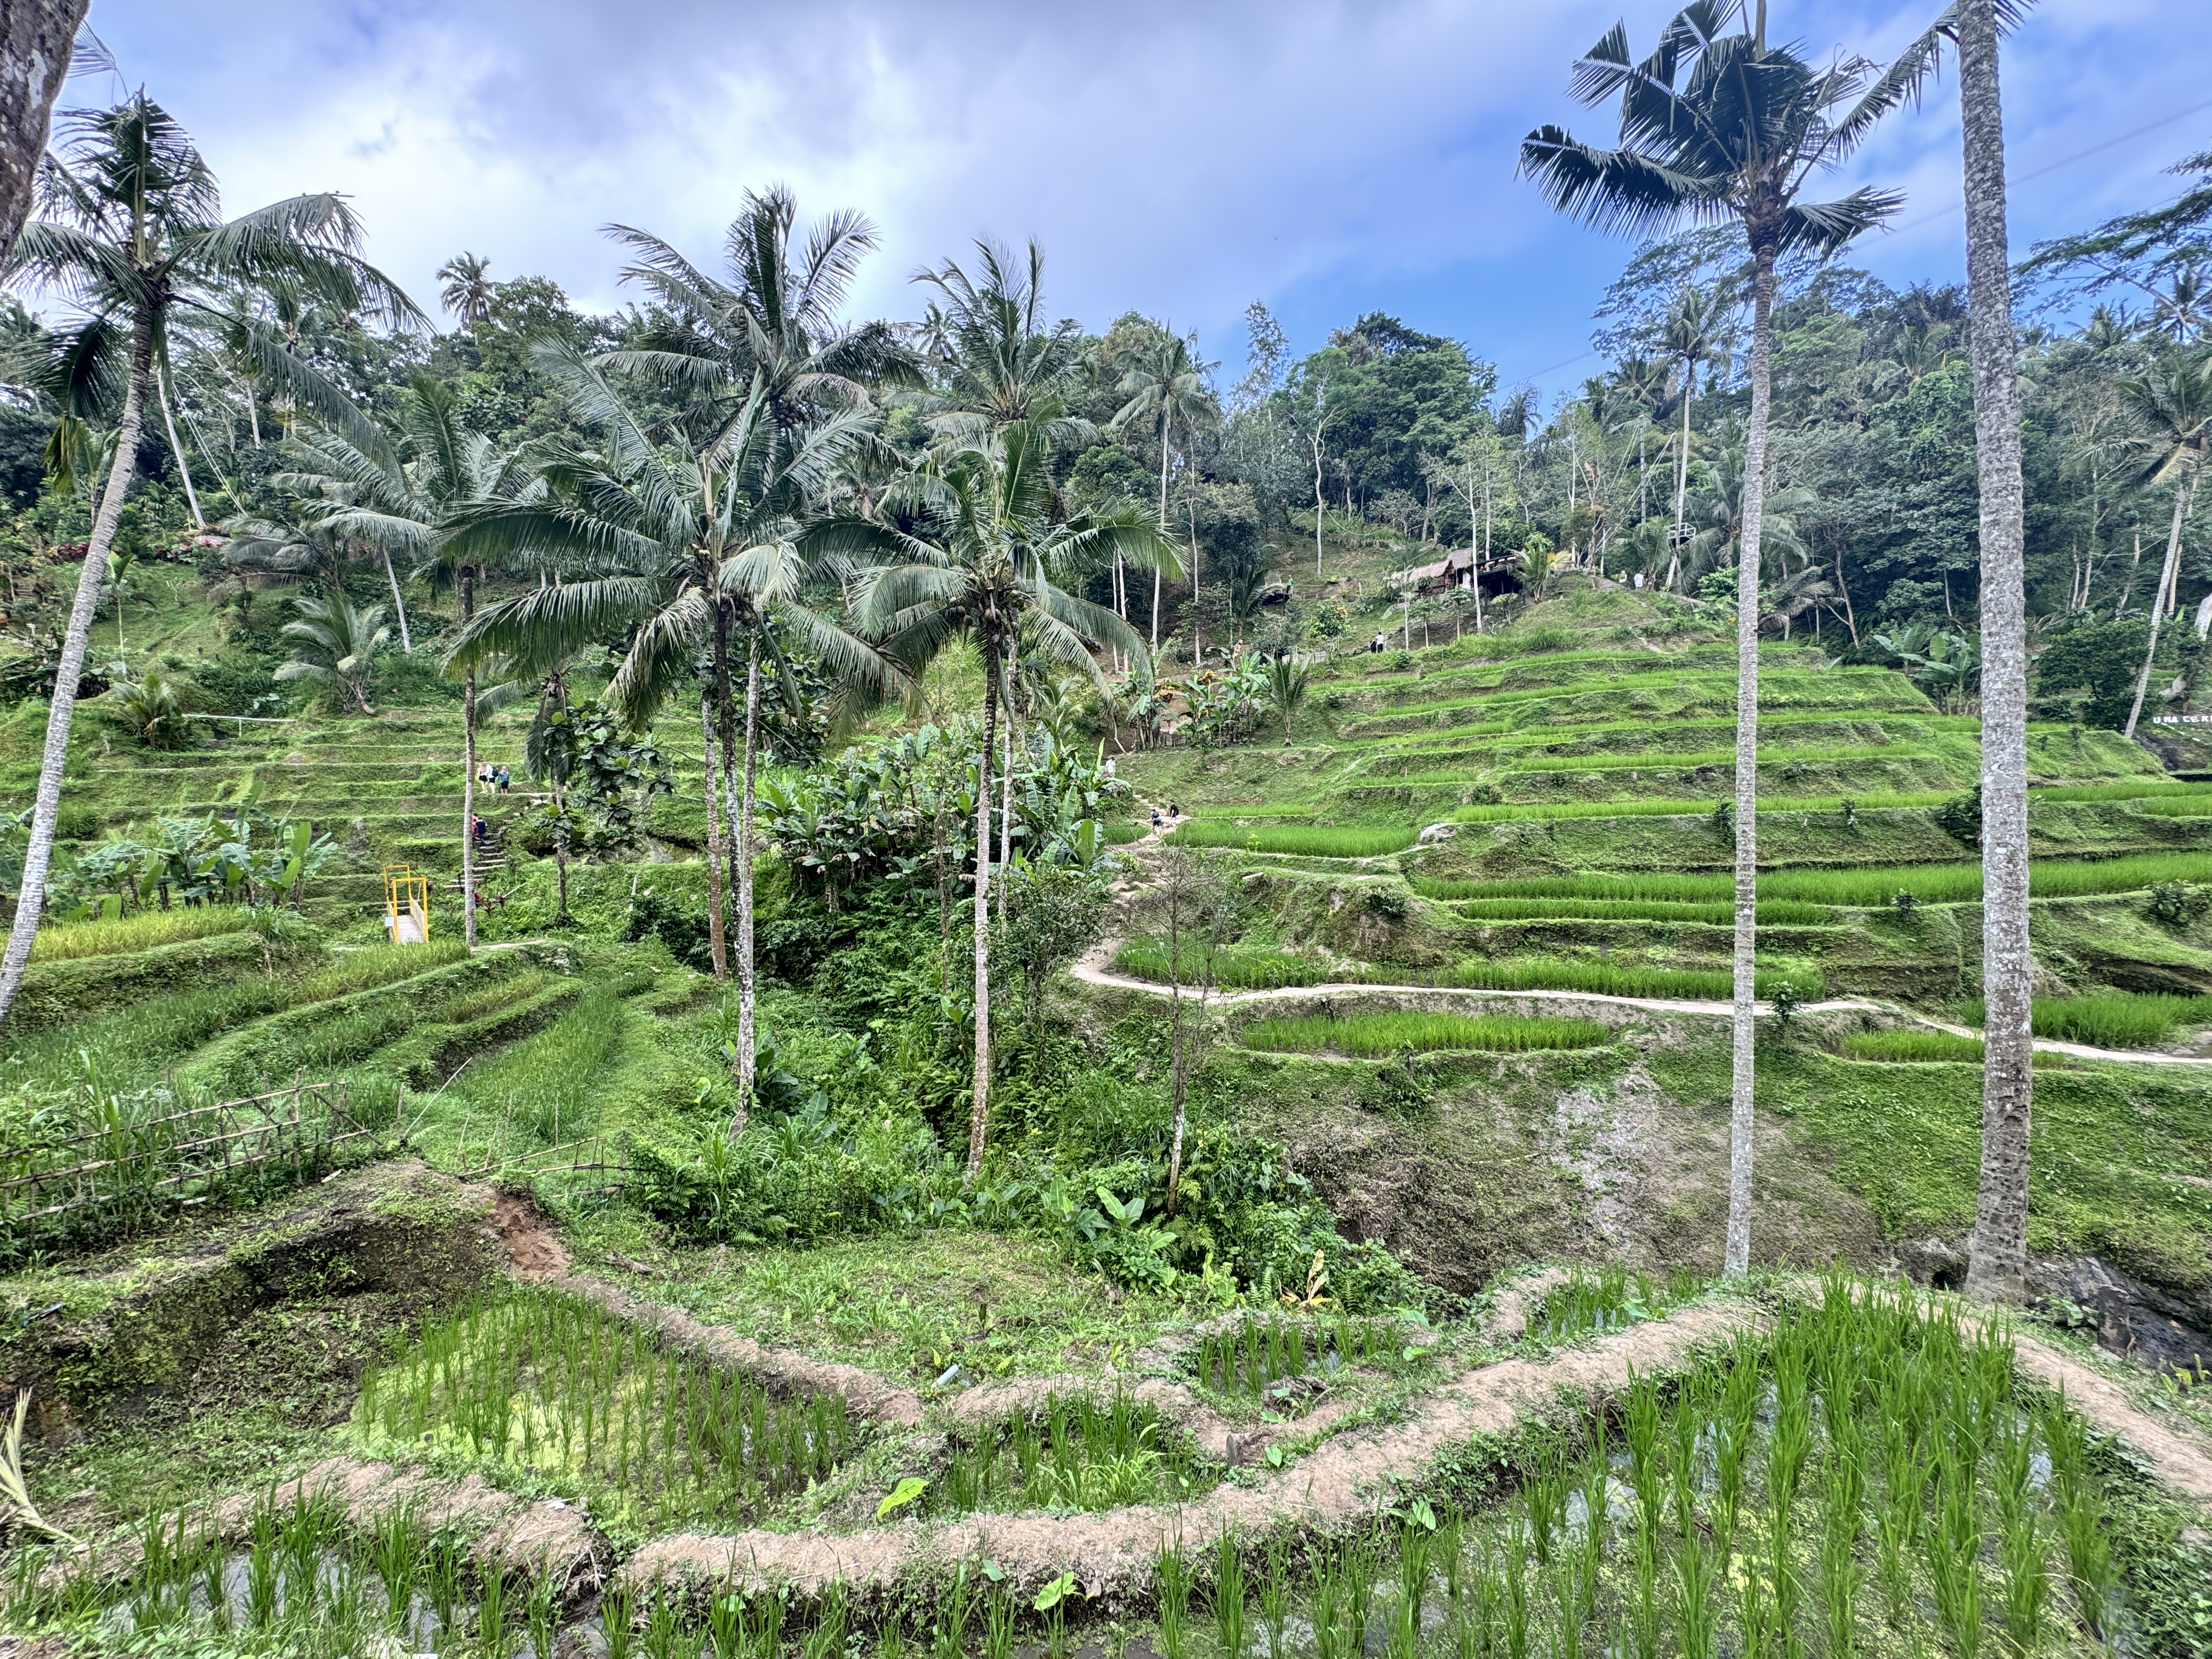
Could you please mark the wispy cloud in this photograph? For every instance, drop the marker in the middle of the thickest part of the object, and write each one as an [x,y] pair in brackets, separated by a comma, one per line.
[1176,159]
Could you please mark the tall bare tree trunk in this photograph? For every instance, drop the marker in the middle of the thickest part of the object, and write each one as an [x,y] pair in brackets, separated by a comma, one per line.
[468,578]
[31,892]
[1743,1127]
[714,942]
[399,605]
[183,468]
[980,1112]
[35,39]
[744,822]
[1996,1265]
[1681,477]
[2182,491]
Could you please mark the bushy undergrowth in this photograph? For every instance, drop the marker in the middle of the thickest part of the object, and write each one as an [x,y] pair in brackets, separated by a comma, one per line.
[1390,1033]
[1306,840]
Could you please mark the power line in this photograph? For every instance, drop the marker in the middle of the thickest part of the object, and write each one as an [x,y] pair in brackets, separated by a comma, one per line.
[2064,161]
[1955,207]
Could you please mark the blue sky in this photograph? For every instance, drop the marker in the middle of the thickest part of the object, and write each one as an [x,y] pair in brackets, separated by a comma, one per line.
[1177,159]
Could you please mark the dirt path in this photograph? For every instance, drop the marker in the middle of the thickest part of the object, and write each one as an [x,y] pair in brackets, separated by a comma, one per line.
[2180,1460]
[1112,1554]
[1094,970]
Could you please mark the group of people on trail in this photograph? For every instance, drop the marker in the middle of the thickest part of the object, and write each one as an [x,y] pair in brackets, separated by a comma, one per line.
[493,777]
[1174,814]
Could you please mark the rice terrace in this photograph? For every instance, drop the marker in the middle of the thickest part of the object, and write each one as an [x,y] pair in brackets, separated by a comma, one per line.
[739,932]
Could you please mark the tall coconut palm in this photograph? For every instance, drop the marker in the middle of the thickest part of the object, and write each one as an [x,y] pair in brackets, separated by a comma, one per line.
[769,327]
[997,359]
[1718,126]
[774,318]
[1163,384]
[2172,401]
[687,549]
[1694,336]
[983,560]
[129,234]
[465,287]
[1997,1258]
[401,489]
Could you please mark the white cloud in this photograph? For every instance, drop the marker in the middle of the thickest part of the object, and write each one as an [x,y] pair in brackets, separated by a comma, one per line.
[1176,158]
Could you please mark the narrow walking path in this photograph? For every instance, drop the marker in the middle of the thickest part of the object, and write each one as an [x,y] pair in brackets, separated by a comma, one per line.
[1096,968]
[1112,1554]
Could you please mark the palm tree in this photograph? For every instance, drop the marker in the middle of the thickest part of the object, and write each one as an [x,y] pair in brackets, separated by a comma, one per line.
[34,60]
[336,644]
[685,547]
[465,287]
[402,489]
[2171,399]
[1694,334]
[1164,383]
[1286,687]
[1717,512]
[129,234]
[984,558]
[774,318]
[1997,1257]
[1716,126]
[996,361]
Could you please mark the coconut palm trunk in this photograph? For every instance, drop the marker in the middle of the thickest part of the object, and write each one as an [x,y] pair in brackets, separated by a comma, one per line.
[981,1113]
[1997,1268]
[177,449]
[2184,488]
[745,822]
[1741,1125]
[468,576]
[1681,479]
[399,605]
[30,893]
[714,942]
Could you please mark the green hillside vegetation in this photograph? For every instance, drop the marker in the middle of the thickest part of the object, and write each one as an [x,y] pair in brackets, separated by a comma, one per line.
[962,1218]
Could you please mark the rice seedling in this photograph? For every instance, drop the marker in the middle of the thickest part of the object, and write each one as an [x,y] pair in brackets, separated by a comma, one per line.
[1174,1575]
[2132,789]
[1275,1599]
[543,1383]
[1779,1505]
[1076,1454]
[1774,913]
[1607,979]
[1393,1033]
[1860,887]
[1229,1598]
[1237,968]
[1607,1300]
[1307,840]
[1649,807]
[147,931]
[1254,1360]
[2117,1020]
